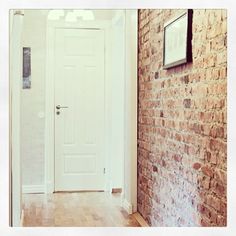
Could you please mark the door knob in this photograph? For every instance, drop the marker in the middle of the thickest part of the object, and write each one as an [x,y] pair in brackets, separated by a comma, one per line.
[59,107]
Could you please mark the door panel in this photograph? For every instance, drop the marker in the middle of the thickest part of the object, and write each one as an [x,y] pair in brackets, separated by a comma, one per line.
[79,128]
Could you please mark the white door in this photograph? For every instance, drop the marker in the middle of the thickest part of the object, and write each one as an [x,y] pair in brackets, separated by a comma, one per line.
[79,122]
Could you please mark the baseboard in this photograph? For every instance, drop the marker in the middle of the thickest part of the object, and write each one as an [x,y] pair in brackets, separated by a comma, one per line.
[33,189]
[140,220]
[127,206]
[22,218]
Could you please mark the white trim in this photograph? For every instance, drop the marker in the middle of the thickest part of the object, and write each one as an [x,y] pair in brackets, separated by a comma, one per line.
[131,87]
[127,206]
[107,66]
[119,14]
[49,105]
[33,189]
[15,88]
[49,120]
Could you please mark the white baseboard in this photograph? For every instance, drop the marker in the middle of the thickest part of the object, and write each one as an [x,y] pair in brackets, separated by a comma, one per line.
[127,206]
[33,189]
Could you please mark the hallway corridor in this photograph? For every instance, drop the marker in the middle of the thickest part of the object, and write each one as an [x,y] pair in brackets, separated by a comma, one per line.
[86,209]
[132,99]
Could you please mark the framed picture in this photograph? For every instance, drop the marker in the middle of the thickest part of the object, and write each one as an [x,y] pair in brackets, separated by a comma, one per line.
[26,67]
[177,48]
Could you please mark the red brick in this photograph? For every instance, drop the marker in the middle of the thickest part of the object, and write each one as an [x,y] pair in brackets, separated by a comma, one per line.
[182,124]
[207,170]
[196,166]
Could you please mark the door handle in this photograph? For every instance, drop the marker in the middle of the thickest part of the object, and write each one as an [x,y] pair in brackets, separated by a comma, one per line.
[59,107]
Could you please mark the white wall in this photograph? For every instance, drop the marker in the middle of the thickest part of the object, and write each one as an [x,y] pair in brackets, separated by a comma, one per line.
[131,42]
[117,100]
[33,101]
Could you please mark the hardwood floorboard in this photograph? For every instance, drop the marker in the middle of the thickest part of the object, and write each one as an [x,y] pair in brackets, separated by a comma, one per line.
[78,209]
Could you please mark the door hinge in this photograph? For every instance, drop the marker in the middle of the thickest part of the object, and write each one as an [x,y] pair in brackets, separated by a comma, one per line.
[104,170]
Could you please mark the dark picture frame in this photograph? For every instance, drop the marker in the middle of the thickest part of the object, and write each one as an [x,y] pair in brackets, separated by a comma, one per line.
[177,47]
[26,68]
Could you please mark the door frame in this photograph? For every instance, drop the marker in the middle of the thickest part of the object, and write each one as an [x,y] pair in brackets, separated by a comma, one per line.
[17,20]
[130,118]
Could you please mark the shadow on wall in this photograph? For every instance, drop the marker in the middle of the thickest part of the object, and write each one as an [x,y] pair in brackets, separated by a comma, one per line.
[182,124]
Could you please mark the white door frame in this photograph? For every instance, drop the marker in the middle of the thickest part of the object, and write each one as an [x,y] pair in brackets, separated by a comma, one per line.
[15,91]
[130,119]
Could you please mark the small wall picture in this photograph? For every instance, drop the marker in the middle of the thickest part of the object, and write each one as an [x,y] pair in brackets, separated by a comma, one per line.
[177,40]
[26,67]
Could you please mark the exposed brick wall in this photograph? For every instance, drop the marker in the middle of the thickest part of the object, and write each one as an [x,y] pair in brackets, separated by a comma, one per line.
[182,136]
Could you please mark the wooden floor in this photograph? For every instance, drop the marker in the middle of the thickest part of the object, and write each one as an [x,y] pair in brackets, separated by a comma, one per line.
[87,209]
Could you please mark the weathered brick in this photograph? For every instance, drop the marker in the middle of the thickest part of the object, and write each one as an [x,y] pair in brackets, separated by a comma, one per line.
[187,103]
[196,166]
[182,124]
[207,170]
